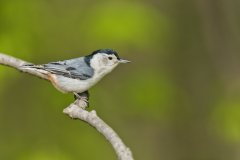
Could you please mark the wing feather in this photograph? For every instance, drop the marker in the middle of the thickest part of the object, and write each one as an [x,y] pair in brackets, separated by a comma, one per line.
[74,68]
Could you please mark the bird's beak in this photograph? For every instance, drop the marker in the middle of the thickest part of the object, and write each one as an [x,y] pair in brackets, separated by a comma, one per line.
[123,61]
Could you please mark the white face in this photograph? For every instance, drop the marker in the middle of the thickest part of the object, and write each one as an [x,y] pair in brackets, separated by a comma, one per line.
[104,63]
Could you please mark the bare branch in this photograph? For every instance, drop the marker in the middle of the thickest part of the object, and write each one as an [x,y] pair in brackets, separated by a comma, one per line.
[91,118]
[17,63]
[77,110]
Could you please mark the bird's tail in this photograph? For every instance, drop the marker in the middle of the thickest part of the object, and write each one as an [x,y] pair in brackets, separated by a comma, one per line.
[37,68]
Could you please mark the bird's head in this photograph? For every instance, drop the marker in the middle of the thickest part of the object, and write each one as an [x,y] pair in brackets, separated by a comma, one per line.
[104,60]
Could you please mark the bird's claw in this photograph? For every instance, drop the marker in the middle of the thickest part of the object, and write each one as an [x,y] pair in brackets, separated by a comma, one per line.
[82,102]
[82,99]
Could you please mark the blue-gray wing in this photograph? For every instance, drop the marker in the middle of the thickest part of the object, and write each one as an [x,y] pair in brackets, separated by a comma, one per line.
[74,68]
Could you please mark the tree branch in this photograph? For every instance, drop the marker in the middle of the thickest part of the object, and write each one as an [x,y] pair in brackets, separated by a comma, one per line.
[77,110]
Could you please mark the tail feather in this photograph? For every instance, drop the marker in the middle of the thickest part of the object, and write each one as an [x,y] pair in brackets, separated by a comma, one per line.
[26,66]
[37,68]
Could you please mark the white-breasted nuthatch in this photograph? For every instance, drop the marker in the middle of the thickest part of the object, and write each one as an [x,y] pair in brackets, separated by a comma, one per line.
[79,74]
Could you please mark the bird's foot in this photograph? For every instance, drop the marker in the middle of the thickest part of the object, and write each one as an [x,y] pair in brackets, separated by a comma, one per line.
[81,100]
[82,103]
[76,95]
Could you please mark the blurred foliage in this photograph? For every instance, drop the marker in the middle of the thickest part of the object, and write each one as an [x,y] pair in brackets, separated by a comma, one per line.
[156,92]
[227,118]
[178,99]
[119,23]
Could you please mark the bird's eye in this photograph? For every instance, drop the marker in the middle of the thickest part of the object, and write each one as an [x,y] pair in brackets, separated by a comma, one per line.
[110,58]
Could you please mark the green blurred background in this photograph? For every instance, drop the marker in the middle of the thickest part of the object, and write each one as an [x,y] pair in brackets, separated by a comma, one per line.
[179,99]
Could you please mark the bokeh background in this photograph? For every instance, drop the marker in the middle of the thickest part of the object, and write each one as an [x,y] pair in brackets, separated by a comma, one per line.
[179,99]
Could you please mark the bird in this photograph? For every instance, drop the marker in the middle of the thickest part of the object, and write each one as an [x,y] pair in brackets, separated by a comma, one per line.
[78,75]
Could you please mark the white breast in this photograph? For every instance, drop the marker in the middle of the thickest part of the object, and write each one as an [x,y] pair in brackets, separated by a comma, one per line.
[65,84]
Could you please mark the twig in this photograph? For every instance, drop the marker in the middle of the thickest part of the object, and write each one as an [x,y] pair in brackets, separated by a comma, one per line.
[16,63]
[77,110]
